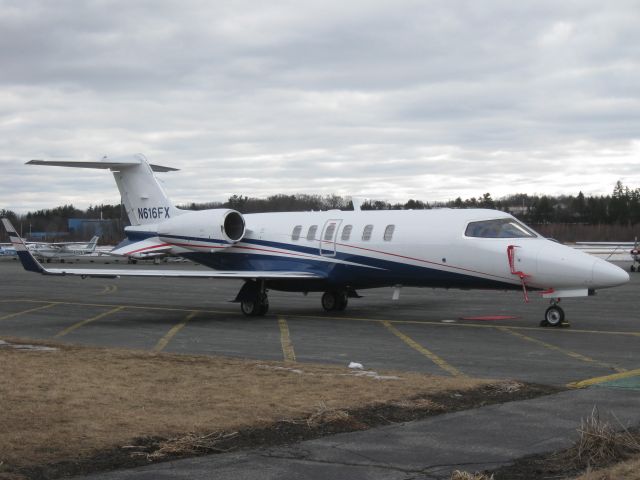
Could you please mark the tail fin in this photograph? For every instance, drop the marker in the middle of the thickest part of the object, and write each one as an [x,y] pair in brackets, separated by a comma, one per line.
[26,258]
[144,199]
[91,246]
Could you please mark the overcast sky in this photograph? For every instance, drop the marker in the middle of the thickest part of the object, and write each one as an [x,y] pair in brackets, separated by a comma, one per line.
[384,99]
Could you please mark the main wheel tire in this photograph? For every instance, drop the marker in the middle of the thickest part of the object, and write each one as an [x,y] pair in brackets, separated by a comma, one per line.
[554,316]
[329,301]
[250,308]
[264,305]
[255,308]
[343,301]
[334,300]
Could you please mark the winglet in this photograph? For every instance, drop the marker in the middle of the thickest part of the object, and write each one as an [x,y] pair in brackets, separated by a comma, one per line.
[26,258]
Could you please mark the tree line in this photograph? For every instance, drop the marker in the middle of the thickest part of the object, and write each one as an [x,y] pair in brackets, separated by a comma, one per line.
[565,217]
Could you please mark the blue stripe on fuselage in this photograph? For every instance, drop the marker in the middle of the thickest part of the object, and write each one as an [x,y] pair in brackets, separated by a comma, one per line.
[368,272]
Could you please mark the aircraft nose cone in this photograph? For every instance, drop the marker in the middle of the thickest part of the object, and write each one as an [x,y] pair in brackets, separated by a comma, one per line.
[606,274]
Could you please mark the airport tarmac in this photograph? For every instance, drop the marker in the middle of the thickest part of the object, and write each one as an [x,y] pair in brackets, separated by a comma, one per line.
[480,334]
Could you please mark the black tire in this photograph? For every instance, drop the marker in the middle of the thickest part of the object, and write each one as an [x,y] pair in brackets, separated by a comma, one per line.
[334,300]
[249,308]
[633,268]
[554,316]
[329,301]
[264,306]
[255,308]
[343,301]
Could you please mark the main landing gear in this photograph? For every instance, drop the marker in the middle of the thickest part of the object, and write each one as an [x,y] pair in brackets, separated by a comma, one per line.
[256,307]
[554,316]
[254,301]
[253,298]
[335,300]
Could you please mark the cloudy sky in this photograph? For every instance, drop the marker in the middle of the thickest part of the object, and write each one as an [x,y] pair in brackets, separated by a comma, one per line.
[383,99]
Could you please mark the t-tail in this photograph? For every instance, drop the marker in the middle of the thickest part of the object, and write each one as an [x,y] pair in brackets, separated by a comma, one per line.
[142,195]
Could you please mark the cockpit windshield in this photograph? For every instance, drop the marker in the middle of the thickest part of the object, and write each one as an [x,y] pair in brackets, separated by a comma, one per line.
[498,228]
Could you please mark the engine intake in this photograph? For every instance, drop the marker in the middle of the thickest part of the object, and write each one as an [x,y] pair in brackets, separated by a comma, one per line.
[221,225]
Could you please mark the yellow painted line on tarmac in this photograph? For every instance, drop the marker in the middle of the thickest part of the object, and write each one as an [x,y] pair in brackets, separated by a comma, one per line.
[17,314]
[285,339]
[109,289]
[553,331]
[172,333]
[424,351]
[607,378]
[75,326]
[572,354]
[557,331]
[133,307]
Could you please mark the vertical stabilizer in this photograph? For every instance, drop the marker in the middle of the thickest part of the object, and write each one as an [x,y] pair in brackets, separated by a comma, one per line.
[91,246]
[142,195]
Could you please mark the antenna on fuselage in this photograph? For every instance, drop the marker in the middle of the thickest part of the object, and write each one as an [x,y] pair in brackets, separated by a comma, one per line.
[357,203]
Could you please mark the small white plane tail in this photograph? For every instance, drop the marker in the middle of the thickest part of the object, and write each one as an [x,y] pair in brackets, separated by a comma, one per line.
[91,246]
[142,195]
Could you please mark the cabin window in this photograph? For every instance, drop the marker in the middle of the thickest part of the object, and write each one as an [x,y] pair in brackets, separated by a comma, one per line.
[366,233]
[346,232]
[296,232]
[311,234]
[388,233]
[328,233]
[498,228]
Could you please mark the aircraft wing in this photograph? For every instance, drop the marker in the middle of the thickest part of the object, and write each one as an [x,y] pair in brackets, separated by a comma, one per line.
[30,263]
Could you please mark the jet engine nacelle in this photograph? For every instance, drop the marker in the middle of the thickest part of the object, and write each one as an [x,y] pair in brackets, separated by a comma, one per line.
[220,225]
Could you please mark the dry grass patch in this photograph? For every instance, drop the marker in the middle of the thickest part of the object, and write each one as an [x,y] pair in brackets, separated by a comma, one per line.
[73,402]
[629,470]
[599,444]
[461,475]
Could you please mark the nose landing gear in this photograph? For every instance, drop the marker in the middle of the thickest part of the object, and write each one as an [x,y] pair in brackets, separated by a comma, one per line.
[554,316]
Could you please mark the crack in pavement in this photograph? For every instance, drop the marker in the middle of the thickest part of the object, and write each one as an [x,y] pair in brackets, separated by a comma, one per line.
[426,472]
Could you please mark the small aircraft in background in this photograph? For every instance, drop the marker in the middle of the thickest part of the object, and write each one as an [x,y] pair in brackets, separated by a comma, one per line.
[635,256]
[64,250]
[7,250]
[339,252]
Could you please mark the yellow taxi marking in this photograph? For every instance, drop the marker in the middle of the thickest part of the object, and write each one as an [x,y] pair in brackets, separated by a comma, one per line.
[554,331]
[424,351]
[16,314]
[171,333]
[607,378]
[285,339]
[109,289]
[132,307]
[438,323]
[75,326]
[577,356]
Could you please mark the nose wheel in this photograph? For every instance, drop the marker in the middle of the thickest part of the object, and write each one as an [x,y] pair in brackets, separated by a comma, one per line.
[554,317]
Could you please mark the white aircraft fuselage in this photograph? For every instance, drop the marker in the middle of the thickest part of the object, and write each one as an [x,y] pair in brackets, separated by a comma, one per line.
[428,248]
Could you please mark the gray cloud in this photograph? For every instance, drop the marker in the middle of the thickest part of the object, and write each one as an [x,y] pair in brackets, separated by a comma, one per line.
[393,100]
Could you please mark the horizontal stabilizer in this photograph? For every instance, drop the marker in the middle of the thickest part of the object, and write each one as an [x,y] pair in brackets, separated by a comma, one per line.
[120,164]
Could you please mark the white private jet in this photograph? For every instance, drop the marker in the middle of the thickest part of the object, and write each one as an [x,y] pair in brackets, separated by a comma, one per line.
[340,252]
[64,250]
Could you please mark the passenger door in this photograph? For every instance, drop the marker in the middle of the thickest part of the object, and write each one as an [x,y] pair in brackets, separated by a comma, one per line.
[328,238]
